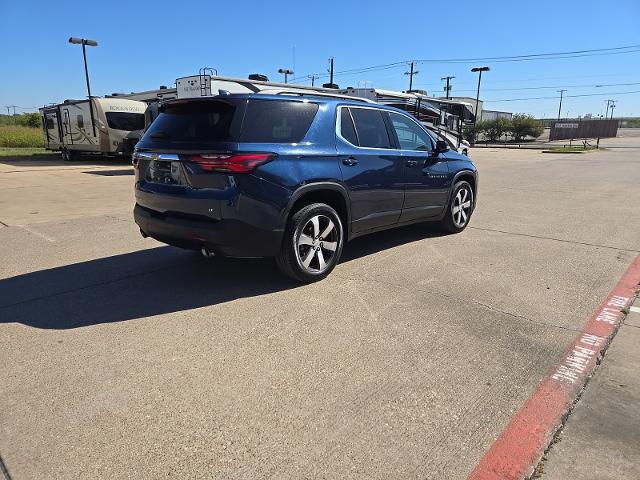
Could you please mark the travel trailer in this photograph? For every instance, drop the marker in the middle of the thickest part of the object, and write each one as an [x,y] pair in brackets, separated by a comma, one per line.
[106,126]
[205,85]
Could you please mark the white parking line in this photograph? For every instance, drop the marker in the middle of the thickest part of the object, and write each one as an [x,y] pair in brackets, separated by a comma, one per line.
[634,309]
[38,234]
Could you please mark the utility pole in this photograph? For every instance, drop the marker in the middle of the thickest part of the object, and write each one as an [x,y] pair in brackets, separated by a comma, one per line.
[606,114]
[560,107]
[613,105]
[411,73]
[313,78]
[447,89]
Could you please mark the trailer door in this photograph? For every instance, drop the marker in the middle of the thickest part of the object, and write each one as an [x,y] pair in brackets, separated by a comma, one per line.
[51,131]
[66,127]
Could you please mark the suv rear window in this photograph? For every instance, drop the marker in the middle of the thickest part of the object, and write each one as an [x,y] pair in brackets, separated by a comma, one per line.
[268,121]
[232,120]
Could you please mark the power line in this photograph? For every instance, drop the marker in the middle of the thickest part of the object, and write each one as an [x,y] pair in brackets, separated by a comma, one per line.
[554,86]
[566,96]
[499,59]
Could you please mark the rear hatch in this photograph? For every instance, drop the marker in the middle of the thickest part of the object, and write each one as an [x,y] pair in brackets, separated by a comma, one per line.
[197,151]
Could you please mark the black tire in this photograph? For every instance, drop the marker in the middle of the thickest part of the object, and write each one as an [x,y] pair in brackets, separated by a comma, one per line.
[68,155]
[302,238]
[454,221]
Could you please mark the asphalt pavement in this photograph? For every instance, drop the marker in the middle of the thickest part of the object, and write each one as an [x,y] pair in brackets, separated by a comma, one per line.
[123,358]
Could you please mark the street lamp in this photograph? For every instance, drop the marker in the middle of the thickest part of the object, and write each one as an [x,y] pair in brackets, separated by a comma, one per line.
[92,43]
[286,72]
[475,120]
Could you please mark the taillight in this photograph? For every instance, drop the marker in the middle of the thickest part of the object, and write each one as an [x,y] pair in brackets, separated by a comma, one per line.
[231,163]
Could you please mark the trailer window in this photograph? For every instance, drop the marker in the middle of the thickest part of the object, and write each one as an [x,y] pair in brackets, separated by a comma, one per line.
[49,123]
[80,121]
[125,121]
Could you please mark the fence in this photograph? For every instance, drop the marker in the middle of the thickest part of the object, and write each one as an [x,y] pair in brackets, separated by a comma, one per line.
[571,129]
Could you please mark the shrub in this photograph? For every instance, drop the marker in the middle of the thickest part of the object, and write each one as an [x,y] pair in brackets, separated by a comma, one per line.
[472,132]
[495,129]
[523,126]
[19,136]
[30,120]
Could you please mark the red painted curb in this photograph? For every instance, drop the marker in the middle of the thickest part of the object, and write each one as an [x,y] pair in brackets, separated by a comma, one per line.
[520,446]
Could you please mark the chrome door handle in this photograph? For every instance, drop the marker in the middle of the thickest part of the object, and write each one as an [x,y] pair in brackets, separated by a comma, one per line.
[350,161]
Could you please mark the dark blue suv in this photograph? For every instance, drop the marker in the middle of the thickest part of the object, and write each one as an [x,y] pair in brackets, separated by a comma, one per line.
[292,176]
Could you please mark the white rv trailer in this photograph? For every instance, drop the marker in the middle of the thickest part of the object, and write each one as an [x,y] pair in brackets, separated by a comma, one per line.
[211,85]
[108,126]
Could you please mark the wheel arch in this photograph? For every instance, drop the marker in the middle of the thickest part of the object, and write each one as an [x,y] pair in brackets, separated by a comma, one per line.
[469,176]
[333,194]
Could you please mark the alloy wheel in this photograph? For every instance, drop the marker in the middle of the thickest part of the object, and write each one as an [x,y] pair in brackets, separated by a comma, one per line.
[462,207]
[317,243]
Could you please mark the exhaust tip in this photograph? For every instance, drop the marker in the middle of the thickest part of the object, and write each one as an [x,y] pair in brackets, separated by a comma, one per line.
[206,253]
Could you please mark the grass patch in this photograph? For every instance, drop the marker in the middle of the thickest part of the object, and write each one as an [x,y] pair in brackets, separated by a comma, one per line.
[17,136]
[23,152]
[565,149]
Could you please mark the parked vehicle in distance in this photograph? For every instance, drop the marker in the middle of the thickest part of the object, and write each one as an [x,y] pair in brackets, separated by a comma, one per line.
[107,126]
[292,176]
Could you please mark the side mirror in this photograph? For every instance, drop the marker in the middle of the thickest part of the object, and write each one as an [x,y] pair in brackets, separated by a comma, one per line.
[441,147]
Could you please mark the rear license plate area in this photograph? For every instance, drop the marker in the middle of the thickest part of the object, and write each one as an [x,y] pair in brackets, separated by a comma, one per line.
[165,172]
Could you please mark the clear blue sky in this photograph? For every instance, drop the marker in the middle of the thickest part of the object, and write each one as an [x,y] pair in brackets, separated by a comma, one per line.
[144,44]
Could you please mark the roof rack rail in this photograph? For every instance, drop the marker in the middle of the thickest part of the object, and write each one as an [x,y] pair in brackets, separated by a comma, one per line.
[301,93]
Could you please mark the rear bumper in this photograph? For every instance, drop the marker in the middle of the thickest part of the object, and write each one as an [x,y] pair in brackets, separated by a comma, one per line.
[232,238]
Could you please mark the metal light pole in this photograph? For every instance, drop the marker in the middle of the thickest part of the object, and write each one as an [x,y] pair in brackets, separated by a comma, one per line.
[475,119]
[92,43]
[286,72]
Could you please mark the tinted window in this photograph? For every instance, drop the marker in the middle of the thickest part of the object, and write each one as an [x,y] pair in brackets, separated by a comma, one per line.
[80,121]
[50,124]
[125,120]
[269,121]
[347,130]
[194,121]
[410,135]
[372,131]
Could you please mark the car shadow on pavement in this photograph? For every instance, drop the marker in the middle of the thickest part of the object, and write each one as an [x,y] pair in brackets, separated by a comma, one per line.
[156,281]
[54,160]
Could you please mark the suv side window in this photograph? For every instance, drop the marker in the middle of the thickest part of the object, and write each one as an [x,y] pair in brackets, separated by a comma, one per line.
[347,130]
[410,135]
[371,128]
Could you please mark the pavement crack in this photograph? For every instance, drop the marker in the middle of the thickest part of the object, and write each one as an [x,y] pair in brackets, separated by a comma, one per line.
[476,302]
[540,237]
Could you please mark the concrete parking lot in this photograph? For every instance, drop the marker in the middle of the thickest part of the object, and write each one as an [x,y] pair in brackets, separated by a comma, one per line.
[123,358]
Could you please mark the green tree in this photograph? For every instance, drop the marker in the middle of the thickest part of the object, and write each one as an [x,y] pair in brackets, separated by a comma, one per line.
[495,129]
[472,132]
[31,120]
[523,126]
